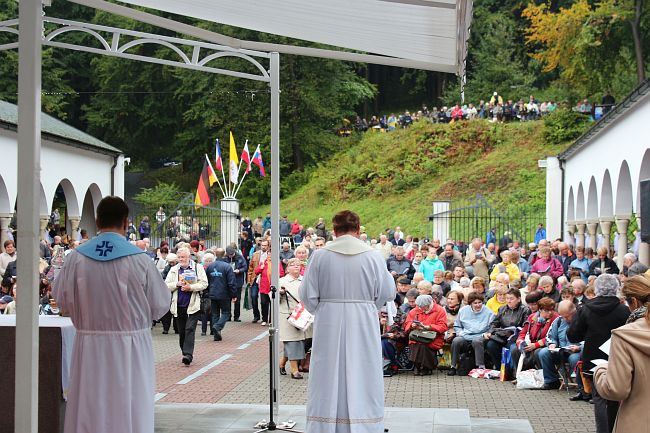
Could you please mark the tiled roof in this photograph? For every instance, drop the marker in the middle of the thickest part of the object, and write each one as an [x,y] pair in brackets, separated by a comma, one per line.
[55,127]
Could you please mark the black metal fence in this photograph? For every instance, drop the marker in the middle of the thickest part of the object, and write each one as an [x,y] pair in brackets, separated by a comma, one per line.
[478,219]
[185,222]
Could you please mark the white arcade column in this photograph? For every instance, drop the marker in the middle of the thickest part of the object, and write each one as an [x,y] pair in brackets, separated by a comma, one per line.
[592,229]
[571,231]
[230,221]
[606,229]
[581,226]
[43,222]
[5,220]
[74,227]
[622,223]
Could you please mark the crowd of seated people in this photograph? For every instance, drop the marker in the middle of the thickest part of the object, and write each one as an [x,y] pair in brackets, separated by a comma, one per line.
[534,302]
[496,108]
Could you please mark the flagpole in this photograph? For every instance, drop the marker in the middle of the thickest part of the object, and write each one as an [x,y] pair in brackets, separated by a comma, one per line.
[239,169]
[212,168]
[223,176]
[240,161]
[240,182]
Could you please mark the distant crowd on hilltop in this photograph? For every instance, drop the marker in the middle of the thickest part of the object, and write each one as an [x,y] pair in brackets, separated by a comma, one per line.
[496,109]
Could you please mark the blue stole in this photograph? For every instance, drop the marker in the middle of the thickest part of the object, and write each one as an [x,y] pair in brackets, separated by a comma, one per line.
[108,246]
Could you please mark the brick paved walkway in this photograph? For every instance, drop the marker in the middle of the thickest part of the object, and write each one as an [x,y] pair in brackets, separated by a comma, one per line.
[235,370]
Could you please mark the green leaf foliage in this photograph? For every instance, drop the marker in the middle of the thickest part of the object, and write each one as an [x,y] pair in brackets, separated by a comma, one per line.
[564,125]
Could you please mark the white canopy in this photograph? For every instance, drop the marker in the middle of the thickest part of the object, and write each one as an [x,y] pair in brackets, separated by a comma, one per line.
[428,34]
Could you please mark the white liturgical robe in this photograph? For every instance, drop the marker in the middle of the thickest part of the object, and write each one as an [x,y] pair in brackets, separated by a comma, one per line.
[112,304]
[344,286]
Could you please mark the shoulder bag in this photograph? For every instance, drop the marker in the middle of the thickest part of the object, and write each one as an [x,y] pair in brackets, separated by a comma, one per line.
[299,317]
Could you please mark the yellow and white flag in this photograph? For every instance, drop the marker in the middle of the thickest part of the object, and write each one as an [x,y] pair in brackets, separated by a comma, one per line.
[234,161]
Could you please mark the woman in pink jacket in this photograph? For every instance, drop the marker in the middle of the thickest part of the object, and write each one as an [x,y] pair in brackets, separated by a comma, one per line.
[547,265]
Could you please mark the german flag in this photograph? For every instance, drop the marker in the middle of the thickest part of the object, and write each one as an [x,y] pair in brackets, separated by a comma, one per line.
[207,179]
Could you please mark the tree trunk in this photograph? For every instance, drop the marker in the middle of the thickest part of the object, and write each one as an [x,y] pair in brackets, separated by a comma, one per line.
[636,35]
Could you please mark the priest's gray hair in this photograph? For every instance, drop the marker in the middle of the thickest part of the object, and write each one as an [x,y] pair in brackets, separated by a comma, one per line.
[423,301]
[606,285]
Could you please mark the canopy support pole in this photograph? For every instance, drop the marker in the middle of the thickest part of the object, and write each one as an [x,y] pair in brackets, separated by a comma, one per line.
[274,72]
[28,213]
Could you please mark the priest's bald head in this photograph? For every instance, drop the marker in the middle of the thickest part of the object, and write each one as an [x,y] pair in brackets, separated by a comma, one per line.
[112,215]
[346,222]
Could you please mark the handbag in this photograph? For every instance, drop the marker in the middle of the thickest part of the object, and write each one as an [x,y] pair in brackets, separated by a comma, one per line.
[424,337]
[300,318]
[444,356]
[528,379]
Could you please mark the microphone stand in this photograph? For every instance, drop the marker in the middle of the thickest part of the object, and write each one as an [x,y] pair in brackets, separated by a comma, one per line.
[273,397]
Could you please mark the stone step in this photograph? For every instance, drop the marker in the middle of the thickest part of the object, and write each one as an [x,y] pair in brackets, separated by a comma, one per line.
[493,425]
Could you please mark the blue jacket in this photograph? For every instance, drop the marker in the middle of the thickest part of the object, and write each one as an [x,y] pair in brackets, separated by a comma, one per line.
[583,265]
[221,281]
[237,262]
[490,238]
[266,224]
[540,234]
[470,324]
[557,333]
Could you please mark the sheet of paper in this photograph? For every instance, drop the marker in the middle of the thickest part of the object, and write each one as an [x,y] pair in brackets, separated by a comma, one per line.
[606,346]
[597,362]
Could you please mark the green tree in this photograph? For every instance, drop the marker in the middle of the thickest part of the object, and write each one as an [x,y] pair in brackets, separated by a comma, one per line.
[495,61]
[591,47]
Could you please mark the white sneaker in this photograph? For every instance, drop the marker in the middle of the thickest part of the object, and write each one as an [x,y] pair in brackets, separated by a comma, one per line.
[263,323]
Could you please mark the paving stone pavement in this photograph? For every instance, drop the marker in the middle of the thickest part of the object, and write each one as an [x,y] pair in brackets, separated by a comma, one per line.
[242,378]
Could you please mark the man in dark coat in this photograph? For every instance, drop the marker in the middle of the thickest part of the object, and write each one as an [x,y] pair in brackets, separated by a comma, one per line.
[593,324]
[399,265]
[222,288]
[240,268]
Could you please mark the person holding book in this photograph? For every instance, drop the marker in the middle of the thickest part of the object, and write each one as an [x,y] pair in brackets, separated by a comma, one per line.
[560,349]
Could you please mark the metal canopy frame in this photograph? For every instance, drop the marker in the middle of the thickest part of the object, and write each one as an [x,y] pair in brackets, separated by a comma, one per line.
[31,37]
[464,8]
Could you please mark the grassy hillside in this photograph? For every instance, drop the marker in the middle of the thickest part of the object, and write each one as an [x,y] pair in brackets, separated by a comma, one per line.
[391,179]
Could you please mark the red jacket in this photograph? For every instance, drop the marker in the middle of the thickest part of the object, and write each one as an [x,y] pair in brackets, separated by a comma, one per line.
[436,319]
[536,331]
[265,277]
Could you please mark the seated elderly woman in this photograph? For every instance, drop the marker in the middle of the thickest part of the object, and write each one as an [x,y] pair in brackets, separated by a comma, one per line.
[548,289]
[498,300]
[477,285]
[426,316]
[513,314]
[532,336]
[302,254]
[547,265]
[472,322]
[505,267]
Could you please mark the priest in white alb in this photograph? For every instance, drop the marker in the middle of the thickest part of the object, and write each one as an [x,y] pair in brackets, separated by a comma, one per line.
[112,291]
[345,284]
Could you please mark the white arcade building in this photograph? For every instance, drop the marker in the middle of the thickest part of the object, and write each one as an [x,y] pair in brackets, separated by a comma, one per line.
[85,168]
[593,186]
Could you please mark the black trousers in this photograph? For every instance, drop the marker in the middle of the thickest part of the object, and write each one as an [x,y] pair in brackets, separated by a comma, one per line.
[237,305]
[187,329]
[167,321]
[265,301]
